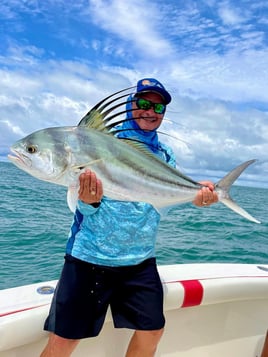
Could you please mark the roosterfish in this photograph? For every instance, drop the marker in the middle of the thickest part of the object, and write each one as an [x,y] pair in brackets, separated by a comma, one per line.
[128,170]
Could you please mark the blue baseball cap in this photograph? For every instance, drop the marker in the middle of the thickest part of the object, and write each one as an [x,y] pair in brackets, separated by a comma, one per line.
[153,85]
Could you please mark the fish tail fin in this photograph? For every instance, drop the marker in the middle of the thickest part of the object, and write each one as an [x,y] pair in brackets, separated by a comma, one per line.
[225,184]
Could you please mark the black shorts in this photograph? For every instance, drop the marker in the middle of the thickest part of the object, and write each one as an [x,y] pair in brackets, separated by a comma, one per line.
[85,291]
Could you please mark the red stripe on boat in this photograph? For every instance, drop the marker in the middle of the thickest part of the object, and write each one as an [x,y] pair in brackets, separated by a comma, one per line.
[21,310]
[193,293]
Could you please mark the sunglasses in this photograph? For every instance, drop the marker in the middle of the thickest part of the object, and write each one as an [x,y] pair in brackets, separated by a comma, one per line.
[144,104]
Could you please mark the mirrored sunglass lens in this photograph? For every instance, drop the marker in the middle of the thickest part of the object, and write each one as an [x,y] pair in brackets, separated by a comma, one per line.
[159,108]
[144,104]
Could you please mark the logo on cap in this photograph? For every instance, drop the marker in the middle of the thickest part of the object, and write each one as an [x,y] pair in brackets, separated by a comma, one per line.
[147,82]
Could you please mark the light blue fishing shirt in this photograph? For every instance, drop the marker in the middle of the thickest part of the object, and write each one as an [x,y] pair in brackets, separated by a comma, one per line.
[118,233]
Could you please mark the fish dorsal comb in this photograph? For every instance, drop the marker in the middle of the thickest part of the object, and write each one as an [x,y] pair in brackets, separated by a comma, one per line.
[99,117]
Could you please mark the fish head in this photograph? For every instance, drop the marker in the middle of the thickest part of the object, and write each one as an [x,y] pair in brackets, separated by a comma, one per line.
[41,155]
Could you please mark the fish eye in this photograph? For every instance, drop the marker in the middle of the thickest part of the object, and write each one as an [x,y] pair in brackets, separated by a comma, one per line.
[31,149]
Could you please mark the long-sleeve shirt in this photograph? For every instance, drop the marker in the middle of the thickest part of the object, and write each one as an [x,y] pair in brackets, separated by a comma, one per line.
[118,233]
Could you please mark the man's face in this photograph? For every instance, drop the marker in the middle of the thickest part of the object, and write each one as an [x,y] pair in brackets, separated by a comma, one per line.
[148,120]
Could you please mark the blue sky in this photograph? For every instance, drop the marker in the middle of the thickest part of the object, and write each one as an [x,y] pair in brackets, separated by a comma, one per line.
[58,58]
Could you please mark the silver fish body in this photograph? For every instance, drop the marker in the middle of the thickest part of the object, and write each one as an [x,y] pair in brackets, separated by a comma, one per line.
[128,171]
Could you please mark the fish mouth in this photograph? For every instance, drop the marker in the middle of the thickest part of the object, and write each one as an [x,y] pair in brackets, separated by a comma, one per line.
[19,159]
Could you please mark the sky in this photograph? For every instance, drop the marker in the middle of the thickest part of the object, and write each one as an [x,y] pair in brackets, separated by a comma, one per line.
[59,57]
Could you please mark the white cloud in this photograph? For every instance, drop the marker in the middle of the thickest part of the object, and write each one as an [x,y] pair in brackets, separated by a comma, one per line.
[216,74]
[230,15]
[132,24]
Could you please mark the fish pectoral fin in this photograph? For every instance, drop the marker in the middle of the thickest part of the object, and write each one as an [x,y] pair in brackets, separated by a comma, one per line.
[72,197]
[79,168]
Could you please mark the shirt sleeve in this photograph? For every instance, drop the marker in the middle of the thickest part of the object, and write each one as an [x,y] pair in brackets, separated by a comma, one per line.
[86,209]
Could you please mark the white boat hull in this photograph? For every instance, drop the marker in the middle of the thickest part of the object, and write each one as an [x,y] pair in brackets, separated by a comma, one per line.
[211,310]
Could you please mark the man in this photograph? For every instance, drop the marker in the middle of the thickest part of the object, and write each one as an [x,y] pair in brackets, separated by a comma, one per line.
[110,257]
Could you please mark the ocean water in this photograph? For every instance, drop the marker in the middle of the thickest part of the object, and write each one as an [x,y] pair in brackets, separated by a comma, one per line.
[35,222]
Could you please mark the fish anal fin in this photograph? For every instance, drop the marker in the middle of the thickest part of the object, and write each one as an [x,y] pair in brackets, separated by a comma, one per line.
[72,197]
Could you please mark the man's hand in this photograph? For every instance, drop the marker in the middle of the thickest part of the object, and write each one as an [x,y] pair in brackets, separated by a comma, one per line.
[206,196]
[90,190]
